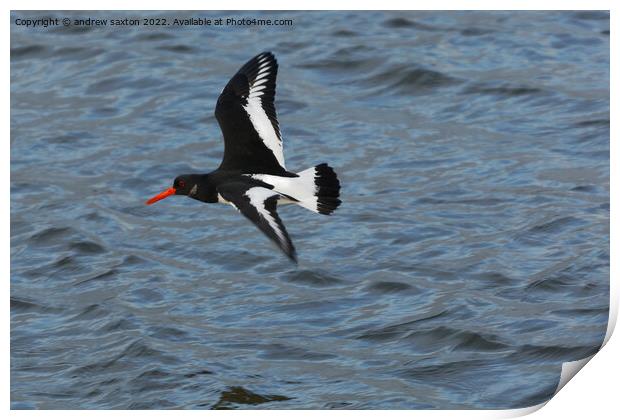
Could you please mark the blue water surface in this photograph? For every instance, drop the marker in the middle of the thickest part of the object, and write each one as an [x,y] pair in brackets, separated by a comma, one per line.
[469,259]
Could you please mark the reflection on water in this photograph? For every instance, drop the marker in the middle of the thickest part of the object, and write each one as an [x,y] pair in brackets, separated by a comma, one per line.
[469,259]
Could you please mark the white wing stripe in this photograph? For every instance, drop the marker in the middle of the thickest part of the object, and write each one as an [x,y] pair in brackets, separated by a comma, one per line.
[258,196]
[263,72]
[264,128]
[257,89]
[254,108]
[258,83]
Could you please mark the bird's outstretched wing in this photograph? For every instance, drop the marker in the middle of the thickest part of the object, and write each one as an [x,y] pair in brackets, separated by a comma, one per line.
[259,205]
[247,116]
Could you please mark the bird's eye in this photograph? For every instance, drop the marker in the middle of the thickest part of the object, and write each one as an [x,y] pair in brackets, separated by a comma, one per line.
[181,184]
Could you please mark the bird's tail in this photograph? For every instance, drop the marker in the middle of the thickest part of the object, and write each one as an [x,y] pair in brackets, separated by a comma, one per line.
[321,189]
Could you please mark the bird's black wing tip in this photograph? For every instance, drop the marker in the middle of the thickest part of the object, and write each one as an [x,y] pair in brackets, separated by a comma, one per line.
[271,55]
[293,257]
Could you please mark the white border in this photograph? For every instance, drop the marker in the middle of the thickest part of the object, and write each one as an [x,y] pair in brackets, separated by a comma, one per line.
[312,5]
[593,393]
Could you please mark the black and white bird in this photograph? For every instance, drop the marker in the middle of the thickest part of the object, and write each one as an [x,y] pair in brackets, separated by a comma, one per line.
[252,176]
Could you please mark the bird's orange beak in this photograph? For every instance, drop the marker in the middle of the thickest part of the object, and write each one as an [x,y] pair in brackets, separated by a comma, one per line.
[162,195]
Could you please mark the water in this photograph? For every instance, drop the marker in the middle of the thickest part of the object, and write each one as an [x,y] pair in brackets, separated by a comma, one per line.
[469,259]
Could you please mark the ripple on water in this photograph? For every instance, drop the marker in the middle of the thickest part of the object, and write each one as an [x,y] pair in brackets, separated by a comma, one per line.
[286,352]
[350,60]
[178,48]
[113,84]
[237,396]
[169,333]
[87,247]
[24,306]
[390,287]
[401,22]
[29,51]
[344,33]
[134,354]
[312,278]
[52,236]
[502,90]
[556,225]
[154,36]
[397,330]
[78,53]
[406,79]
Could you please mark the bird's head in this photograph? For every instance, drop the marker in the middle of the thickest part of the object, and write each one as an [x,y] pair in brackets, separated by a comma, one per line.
[182,185]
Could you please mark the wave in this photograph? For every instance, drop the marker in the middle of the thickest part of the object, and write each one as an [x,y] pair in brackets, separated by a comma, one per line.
[501,90]
[407,79]
[238,395]
[401,22]
[312,278]
[351,60]
[29,51]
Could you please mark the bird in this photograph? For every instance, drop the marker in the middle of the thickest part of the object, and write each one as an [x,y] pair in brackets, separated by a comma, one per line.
[252,176]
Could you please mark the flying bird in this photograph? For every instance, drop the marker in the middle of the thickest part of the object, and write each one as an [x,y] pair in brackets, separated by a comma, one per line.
[252,176]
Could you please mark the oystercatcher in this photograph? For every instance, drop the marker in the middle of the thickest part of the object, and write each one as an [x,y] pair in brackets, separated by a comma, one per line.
[252,176]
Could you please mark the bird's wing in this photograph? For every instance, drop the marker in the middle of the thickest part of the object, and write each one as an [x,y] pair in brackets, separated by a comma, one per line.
[247,116]
[259,205]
